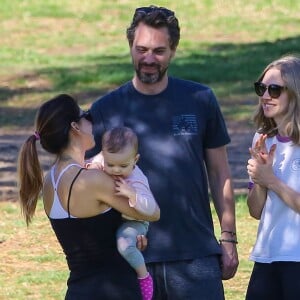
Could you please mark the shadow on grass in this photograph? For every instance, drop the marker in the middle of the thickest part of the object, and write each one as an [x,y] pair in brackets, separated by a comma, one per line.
[229,68]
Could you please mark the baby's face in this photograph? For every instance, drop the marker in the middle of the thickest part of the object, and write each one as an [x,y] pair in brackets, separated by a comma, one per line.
[121,163]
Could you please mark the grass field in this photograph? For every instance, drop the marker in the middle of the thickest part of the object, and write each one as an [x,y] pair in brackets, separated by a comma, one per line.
[33,266]
[79,47]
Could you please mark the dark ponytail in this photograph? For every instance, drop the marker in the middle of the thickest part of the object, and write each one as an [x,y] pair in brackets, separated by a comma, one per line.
[52,125]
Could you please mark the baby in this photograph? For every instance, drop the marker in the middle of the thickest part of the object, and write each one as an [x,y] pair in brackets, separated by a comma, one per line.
[118,158]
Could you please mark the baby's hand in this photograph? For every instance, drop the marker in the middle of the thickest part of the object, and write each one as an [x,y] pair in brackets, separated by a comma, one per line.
[124,189]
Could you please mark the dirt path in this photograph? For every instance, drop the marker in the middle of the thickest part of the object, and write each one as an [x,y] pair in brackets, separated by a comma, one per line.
[10,143]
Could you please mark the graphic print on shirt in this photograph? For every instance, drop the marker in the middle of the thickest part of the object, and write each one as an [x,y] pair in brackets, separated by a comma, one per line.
[296,164]
[185,125]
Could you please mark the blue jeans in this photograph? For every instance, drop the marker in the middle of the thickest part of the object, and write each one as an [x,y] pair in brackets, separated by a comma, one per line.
[275,281]
[126,241]
[198,279]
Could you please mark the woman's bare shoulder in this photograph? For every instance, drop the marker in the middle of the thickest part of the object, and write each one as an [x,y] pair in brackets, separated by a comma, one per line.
[96,181]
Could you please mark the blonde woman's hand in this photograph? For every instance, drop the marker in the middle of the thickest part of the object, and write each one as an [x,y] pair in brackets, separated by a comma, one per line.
[261,169]
[259,151]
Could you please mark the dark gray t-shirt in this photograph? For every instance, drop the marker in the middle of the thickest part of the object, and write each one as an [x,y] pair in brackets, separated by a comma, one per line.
[174,128]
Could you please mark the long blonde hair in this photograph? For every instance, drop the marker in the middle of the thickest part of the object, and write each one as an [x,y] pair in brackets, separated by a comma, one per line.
[289,67]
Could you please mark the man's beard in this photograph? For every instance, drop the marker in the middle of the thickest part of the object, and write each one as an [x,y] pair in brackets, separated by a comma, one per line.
[150,77]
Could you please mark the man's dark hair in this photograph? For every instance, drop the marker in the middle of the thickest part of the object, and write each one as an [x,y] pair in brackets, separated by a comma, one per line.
[156,17]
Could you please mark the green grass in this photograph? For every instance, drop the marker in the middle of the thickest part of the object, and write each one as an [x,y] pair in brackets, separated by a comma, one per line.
[79,47]
[33,265]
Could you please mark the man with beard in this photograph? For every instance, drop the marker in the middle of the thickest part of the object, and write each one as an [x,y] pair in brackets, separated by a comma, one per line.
[182,140]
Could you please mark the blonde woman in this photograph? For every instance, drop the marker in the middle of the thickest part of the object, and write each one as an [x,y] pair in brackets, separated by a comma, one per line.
[274,189]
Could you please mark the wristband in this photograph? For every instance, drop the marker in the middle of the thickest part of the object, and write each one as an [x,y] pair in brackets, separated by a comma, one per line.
[228,241]
[228,231]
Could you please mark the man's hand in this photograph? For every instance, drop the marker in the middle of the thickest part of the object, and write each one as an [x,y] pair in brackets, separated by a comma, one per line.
[141,242]
[229,260]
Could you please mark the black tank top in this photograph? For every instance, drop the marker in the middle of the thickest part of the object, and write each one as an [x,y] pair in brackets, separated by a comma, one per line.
[91,252]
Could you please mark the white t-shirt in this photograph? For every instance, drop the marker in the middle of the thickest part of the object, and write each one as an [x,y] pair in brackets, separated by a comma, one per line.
[278,236]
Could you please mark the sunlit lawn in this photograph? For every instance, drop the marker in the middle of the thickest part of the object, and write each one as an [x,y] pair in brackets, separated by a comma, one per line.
[79,47]
[32,264]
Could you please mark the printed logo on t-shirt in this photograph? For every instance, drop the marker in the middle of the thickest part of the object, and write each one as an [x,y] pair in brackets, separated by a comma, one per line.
[296,164]
[185,125]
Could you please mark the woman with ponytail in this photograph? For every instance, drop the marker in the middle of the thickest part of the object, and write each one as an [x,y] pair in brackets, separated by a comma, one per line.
[80,203]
